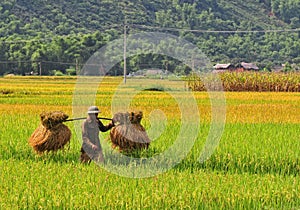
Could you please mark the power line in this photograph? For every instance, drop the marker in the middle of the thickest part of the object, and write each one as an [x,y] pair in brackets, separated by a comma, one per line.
[36,61]
[26,41]
[70,63]
[47,62]
[11,62]
[214,31]
[55,36]
[152,28]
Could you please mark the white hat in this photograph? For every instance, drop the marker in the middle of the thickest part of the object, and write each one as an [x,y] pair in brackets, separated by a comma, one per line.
[93,110]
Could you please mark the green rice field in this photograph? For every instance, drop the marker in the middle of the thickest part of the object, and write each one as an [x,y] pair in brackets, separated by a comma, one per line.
[255,165]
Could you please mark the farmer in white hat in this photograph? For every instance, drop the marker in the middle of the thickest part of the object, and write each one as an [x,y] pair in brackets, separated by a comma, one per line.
[91,147]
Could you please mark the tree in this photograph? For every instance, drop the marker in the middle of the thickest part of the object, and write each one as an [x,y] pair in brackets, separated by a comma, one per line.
[287,67]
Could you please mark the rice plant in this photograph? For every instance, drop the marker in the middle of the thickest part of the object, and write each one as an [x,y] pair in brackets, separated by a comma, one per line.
[250,81]
[255,166]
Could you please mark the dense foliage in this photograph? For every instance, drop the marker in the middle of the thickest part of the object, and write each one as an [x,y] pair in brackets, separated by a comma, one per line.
[52,35]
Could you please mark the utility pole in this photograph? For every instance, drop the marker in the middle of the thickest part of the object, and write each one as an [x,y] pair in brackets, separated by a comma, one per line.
[193,65]
[40,68]
[125,38]
[76,67]
[125,46]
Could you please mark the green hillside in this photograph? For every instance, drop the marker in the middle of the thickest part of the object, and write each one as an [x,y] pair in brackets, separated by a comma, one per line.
[28,17]
[71,31]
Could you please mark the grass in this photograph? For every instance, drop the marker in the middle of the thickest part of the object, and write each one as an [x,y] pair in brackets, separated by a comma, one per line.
[255,166]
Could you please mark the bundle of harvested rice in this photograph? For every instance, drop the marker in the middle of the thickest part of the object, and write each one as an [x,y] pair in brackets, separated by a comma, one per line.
[51,119]
[129,135]
[51,135]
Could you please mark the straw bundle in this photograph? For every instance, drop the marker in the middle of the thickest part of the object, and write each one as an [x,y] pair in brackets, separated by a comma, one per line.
[128,134]
[51,119]
[51,135]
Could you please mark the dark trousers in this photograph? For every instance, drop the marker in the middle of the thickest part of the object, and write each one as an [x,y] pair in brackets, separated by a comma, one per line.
[95,155]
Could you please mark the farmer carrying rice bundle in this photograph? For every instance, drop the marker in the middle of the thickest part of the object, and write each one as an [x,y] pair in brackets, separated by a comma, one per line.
[91,148]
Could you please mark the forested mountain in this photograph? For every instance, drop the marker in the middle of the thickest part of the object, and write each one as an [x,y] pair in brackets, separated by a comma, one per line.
[62,34]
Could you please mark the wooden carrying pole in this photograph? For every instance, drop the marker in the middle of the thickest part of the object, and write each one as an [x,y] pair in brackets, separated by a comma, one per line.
[82,118]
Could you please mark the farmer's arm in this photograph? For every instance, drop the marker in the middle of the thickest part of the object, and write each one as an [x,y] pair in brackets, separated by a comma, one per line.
[104,128]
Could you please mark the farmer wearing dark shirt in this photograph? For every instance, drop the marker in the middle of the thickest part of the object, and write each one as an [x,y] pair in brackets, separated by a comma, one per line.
[91,147]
